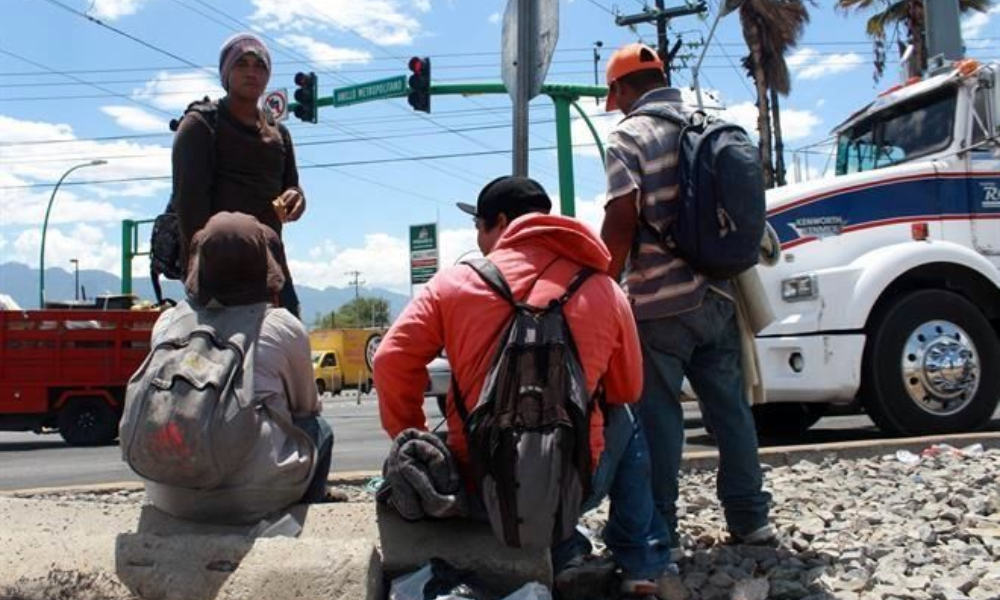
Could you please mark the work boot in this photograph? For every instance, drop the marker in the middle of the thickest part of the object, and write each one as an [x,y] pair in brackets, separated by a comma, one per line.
[584,577]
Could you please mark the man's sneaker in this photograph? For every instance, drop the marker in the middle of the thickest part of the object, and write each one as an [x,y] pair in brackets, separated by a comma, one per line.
[762,536]
[584,577]
[639,589]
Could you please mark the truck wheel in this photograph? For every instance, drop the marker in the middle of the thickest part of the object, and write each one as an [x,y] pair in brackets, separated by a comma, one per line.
[320,387]
[88,422]
[927,365]
[786,420]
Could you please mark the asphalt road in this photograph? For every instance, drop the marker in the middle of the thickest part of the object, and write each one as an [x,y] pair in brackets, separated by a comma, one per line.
[29,460]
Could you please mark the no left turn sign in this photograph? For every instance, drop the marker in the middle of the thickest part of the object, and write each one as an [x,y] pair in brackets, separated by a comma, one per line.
[277,102]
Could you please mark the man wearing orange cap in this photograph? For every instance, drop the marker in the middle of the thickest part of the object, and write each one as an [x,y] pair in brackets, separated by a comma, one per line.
[686,320]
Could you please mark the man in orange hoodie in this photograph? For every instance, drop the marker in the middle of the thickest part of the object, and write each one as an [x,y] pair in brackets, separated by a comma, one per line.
[538,255]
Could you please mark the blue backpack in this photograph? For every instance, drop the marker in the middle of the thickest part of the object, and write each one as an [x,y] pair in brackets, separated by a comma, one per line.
[720,222]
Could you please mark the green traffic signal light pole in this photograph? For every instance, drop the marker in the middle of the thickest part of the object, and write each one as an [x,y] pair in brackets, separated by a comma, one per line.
[563,96]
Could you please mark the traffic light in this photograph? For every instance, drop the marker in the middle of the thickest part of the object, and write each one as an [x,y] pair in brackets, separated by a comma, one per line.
[420,84]
[306,97]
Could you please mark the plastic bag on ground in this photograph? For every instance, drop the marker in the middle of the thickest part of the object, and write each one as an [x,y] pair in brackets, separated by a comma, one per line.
[531,591]
[438,580]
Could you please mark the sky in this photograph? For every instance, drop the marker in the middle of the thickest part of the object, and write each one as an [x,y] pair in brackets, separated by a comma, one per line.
[73,90]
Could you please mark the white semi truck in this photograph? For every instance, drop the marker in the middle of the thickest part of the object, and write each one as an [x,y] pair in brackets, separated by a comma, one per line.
[887,293]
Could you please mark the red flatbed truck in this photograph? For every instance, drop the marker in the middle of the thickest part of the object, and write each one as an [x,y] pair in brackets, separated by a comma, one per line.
[67,369]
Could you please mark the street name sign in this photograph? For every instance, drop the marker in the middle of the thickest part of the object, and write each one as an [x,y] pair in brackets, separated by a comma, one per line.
[391,87]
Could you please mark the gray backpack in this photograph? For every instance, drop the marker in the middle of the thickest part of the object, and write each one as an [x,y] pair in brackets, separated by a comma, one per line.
[190,416]
[529,433]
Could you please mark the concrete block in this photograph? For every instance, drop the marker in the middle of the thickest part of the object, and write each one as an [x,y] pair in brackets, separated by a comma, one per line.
[469,545]
[97,551]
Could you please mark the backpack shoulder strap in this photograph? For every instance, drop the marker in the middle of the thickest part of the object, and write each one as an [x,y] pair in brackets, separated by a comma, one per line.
[576,283]
[489,273]
[661,111]
[207,108]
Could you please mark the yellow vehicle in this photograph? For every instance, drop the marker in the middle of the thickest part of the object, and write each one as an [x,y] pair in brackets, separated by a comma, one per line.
[342,358]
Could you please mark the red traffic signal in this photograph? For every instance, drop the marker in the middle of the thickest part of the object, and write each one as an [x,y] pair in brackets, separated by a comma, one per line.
[420,84]
[306,97]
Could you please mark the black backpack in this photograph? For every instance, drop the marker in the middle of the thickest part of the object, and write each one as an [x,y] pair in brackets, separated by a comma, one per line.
[529,433]
[165,239]
[721,218]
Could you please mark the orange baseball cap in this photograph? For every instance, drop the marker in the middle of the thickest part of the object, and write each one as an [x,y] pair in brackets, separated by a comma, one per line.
[627,60]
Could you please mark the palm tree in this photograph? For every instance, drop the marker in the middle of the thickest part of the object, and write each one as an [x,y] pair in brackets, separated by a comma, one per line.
[771,28]
[906,13]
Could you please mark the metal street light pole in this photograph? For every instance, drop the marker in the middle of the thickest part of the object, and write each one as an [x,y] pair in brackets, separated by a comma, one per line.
[76,278]
[45,226]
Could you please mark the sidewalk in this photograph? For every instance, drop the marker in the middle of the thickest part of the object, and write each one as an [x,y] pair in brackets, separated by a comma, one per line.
[856,522]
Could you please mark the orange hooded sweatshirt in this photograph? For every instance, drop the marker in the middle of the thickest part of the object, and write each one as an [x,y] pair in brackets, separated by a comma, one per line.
[458,312]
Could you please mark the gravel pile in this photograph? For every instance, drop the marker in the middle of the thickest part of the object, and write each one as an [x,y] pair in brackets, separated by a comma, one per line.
[900,526]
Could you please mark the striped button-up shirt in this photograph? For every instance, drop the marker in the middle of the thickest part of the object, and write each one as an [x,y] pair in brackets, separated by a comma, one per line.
[642,155]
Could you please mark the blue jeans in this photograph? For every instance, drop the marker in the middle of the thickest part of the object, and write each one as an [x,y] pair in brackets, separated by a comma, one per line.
[322,435]
[635,533]
[704,345]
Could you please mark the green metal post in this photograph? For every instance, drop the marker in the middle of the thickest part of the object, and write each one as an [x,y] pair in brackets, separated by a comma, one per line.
[593,130]
[564,140]
[128,227]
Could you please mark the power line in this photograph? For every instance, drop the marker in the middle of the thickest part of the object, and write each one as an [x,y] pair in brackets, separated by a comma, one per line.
[41,158]
[452,114]
[331,165]
[273,63]
[602,7]
[74,78]
[122,33]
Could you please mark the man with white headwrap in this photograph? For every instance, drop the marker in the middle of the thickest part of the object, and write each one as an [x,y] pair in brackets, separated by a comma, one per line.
[231,155]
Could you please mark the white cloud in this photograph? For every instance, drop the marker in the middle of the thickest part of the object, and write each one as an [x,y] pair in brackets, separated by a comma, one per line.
[795,124]
[135,118]
[16,130]
[95,247]
[319,52]
[798,124]
[495,18]
[591,212]
[23,164]
[808,64]
[422,5]
[385,22]
[975,26]
[173,91]
[602,121]
[110,10]
[383,260]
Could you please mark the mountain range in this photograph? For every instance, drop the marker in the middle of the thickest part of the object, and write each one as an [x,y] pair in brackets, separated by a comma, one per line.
[21,283]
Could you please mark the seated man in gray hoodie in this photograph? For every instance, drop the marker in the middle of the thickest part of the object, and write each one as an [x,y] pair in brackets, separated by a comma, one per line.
[223,419]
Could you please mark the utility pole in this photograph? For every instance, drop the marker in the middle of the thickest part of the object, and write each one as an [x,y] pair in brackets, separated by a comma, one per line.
[597,59]
[76,278]
[661,15]
[357,283]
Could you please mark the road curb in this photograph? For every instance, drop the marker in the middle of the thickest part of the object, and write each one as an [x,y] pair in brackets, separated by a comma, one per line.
[775,456]
[782,456]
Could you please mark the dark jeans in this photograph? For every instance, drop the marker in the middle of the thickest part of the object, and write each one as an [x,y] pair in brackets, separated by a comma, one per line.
[322,435]
[704,345]
[635,533]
